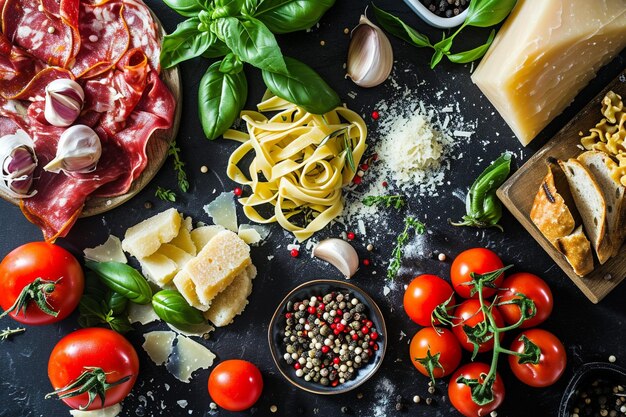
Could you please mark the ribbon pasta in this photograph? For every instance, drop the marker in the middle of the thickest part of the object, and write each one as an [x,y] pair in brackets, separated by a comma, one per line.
[609,135]
[300,163]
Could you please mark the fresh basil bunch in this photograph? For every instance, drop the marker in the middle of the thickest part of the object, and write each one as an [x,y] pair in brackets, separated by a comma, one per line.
[480,13]
[238,32]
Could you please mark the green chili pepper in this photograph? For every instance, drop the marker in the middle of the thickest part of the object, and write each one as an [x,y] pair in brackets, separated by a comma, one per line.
[172,307]
[123,279]
[483,208]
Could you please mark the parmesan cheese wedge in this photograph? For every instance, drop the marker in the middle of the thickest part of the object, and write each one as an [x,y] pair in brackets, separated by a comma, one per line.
[145,238]
[187,288]
[544,54]
[158,268]
[183,239]
[109,251]
[111,411]
[187,357]
[158,345]
[233,300]
[222,211]
[176,254]
[202,235]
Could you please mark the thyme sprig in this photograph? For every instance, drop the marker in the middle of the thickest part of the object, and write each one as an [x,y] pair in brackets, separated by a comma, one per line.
[401,241]
[395,201]
[179,167]
[165,194]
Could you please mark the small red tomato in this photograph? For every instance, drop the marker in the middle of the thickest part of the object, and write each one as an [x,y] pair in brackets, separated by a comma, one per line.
[479,261]
[532,287]
[429,342]
[47,270]
[461,396]
[235,384]
[470,314]
[423,294]
[552,360]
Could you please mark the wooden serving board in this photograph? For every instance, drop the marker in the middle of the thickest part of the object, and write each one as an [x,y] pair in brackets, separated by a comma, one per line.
[519,191]
[156,149]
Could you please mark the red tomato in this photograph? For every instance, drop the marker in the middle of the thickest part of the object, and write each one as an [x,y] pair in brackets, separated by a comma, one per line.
[479,261]
[551,362]
[439,342]
[461,396]
[235,384]
[59,275]
[94,348]
[469,313]
[423,294]
[532,287]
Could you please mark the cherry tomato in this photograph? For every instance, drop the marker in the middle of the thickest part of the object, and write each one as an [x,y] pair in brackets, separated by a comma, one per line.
[53,272]
[461,396]
[94,348]
[440,342]
[479,261]
[551,362]
[235,384]
[532,287]
[423,294]
[470,314]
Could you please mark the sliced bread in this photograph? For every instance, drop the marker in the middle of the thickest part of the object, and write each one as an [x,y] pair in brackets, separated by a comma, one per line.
[591,204]
[601,166]
[577,250]
[233,300]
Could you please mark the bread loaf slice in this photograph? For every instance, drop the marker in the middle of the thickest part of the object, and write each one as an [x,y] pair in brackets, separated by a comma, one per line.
[217,264]
[591,204]
[601,166]
[233,300]
[577,249]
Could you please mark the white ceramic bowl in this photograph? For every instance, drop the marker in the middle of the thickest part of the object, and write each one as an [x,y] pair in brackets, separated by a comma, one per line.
[434,20]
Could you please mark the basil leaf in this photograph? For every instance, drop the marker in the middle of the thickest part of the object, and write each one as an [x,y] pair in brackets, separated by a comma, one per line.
[116,302]
[252,42]
[472,54]
[397,27]
[485,13]
[186,42]
[172,307]
[93,286]
[231,64]
[216,50]
[284,16]
[224,8]
[187,8]
[436,58]
[249,7]
[302,86]
[221,98]
[120,324]
[123,279]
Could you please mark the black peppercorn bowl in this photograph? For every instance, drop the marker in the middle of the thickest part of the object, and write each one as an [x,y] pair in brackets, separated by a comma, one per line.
[320,288]
[589,372]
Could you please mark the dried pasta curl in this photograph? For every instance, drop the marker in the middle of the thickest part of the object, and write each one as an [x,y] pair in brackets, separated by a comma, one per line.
[300,163]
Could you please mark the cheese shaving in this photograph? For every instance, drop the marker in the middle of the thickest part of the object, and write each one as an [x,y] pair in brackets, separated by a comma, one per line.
[109,251]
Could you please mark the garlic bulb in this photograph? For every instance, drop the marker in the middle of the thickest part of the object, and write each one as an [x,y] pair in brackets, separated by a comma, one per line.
[18,162]
[64,101]
[338,253]
[78,151]
[370,56]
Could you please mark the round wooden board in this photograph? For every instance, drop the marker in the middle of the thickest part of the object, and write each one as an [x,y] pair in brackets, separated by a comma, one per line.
[156,149]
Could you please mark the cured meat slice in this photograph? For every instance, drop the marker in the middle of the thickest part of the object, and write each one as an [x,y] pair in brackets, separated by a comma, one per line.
[104,39]
[144,31]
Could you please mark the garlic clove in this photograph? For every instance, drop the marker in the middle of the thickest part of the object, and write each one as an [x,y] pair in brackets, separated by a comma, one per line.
[18,162]
[338,253]
[78,151]
[370,55]
[64,101]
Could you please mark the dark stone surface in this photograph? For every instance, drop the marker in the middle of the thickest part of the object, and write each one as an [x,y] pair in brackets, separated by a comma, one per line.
[590,332]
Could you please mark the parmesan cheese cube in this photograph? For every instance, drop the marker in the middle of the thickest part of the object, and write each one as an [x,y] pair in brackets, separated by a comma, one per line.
[544,54]
[145,238]
[158,268]
[201,235]
[183,239]
[233,300]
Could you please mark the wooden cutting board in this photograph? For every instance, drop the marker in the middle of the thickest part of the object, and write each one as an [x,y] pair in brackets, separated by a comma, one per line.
[518,193]
[156,149]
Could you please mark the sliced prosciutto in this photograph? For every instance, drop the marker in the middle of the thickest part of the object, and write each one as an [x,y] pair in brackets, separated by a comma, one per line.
[111,48]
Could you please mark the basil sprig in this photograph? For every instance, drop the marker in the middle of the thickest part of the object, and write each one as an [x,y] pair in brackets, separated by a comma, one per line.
[100,305]
[123,279]
[242,31]
[483,208]
[480,13]
[172,307]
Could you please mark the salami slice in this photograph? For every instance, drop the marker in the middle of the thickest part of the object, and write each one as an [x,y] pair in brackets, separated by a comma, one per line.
[144,32]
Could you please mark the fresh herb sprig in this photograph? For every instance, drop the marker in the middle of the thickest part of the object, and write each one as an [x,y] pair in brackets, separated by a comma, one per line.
[395,201]
[165,194]
[8,332]
[179,167]
[480,13]
[342,133]
[401,241]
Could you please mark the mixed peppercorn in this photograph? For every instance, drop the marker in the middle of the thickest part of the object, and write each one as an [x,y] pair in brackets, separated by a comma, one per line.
[600,398]
[446,8]
[328,338]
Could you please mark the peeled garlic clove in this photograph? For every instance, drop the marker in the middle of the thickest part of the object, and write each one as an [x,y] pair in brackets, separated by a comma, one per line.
[78,151]
[338,253]
[64,101]
[18,162]
[370,56]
